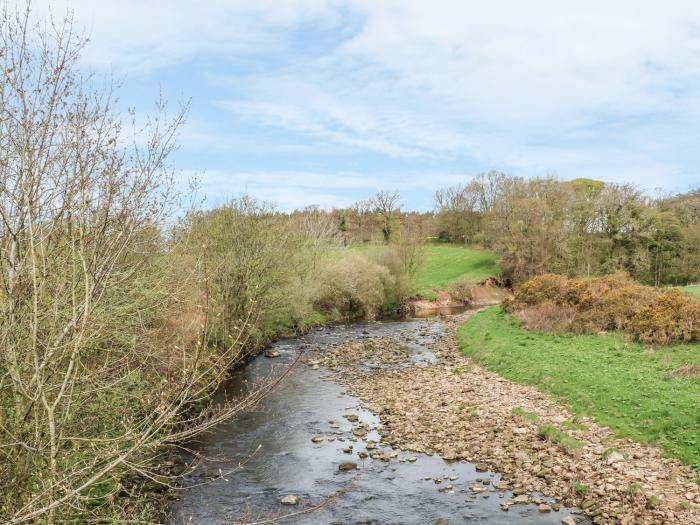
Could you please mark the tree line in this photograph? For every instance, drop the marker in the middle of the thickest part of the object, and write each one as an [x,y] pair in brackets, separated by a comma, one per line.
[582,227]
[579,227]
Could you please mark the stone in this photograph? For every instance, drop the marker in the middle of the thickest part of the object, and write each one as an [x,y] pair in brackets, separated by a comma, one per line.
[351,417]
[587,504]
[347,465]
[543,507]
[481,467]
[271,353]
[317,439]
[614,457]
[291,499]
[568,521]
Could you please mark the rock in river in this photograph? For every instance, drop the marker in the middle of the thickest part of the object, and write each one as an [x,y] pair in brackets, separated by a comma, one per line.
[290,500]
[347,465]
[271,353]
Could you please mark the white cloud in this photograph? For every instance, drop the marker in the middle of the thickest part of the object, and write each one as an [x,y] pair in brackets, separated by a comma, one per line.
[130,35]
[522,85]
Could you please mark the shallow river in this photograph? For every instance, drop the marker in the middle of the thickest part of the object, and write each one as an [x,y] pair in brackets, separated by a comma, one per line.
[308,403]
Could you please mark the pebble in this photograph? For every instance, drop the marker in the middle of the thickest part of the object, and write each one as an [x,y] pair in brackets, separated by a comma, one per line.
[347,465]
[290,500]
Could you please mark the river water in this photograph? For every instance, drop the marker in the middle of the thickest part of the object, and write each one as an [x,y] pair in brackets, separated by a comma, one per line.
[274,444]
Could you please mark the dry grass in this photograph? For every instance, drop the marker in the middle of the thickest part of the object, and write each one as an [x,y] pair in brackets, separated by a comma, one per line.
[547,317]
[689,371]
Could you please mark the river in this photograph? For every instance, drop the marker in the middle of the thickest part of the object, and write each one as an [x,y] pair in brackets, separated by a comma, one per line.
[274,443]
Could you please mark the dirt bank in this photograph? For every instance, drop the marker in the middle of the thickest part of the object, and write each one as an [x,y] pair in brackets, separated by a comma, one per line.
[487,292]
[464,412]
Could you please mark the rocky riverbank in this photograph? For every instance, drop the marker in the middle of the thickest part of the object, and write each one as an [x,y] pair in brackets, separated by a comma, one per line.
[446,404]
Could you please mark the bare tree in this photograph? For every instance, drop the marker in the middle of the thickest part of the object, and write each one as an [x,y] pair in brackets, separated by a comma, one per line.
[362,210]
[386,205]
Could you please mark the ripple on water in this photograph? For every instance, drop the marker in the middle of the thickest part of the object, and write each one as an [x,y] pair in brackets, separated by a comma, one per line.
[288,462]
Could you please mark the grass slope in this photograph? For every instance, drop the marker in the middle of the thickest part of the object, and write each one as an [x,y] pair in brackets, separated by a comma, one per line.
[692,289]
[446,263]
[623,385]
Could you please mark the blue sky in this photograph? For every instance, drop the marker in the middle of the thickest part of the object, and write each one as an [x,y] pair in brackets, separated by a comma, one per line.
[305,102]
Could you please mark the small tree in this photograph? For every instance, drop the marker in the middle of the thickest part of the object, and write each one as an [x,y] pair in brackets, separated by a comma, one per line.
[386,205]
[104,334]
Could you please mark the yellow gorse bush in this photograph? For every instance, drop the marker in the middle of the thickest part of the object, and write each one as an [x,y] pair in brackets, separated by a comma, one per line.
[611,302]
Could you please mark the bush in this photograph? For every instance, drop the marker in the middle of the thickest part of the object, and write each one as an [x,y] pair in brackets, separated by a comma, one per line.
[673,317]
[353,287]
[461,290]
[612,302]
[393,259]
[548,317]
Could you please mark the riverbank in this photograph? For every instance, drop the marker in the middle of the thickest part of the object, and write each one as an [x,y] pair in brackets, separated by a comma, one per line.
[649,394]
[463,412]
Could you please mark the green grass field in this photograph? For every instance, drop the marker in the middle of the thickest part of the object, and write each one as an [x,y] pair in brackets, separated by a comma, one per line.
[444,264]
[691,288]
[625,386]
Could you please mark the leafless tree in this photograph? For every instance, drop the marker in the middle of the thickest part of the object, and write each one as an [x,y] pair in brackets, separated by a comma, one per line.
[386,205]
[104,338]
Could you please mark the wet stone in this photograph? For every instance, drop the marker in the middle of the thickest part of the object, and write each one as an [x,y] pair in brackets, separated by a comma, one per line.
[347,465]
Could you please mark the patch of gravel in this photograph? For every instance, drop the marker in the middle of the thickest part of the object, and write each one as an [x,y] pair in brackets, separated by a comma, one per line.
[463,412]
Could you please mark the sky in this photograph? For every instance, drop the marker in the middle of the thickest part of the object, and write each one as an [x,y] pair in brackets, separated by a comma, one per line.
[303,102]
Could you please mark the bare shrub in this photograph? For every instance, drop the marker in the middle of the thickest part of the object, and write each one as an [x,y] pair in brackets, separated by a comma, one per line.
[547,316]
[689,371]
[353,287]
[461,290]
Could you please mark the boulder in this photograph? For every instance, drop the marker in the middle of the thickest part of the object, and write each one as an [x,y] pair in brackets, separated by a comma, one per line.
[347,465]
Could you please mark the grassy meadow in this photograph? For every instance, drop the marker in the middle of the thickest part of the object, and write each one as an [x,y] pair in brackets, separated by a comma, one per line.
[444,264]
[693,289]
[651,395]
